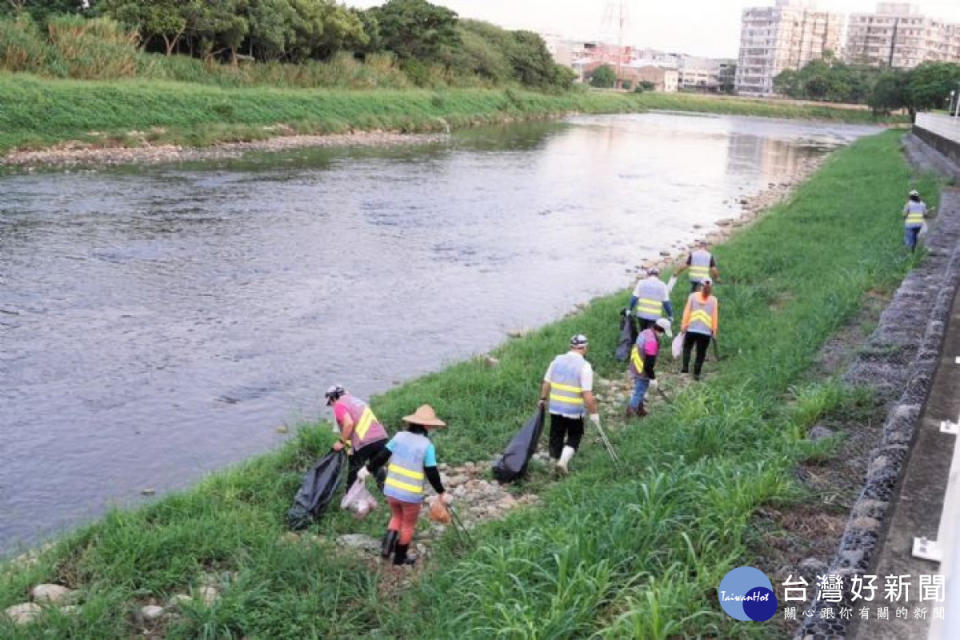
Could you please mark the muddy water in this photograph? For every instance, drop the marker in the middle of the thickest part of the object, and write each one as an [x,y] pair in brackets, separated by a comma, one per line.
[160,322]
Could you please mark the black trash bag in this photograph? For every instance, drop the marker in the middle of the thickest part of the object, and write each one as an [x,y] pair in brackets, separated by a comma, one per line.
[513,463]
[628,335]
[316,491]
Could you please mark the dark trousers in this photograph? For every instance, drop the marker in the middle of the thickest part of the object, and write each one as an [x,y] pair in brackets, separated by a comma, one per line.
[645,323]
[695,286]
[701,341]
[564,431]
[360,458]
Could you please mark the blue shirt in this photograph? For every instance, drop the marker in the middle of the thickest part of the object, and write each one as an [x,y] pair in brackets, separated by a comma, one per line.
[429,460]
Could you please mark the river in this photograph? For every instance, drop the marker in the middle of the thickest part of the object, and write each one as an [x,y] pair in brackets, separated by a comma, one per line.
[160,322]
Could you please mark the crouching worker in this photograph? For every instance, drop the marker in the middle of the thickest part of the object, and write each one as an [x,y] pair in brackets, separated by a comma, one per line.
[360,432]
[412,457]
[643,359]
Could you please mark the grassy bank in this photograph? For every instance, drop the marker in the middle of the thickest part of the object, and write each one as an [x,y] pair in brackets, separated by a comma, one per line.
[39,112]
[630,553]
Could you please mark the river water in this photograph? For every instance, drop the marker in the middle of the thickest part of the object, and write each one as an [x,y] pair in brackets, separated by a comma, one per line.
[160,322]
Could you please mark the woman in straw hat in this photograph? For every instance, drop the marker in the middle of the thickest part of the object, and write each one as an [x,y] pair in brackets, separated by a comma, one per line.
[412,458]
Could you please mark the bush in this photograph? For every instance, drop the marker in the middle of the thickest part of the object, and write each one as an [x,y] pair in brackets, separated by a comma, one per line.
[603,77]
[626,85]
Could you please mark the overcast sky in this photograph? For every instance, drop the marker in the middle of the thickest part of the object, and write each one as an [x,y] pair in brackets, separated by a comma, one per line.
[698,27]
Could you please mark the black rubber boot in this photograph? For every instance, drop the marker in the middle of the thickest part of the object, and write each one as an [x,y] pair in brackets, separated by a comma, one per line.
[388,544]
[400,556]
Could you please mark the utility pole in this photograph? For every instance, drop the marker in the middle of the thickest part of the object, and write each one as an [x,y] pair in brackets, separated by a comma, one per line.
[616,16]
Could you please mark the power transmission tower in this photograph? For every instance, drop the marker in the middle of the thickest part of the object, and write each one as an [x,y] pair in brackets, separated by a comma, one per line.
[616,17]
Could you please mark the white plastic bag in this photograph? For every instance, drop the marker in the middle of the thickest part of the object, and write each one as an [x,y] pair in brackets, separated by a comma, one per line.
[359,500]
[676,347]
[923,231]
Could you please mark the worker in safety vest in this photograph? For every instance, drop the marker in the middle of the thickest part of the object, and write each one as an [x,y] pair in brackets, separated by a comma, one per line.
[412,459]
[701,264]
[361,434]
[643,359]
[700,323]
[913,214]
[651,299]
[567,392]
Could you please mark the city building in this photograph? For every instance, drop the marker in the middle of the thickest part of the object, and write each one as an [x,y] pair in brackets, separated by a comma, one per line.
[663,79]
[705,74]
[787,35]
[897,35]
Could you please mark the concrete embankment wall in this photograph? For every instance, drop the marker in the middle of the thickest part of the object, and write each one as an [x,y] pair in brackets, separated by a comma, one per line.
[898,361]
[942,134]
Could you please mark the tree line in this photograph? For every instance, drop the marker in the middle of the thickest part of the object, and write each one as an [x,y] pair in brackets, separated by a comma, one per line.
[419,34]
[926,86]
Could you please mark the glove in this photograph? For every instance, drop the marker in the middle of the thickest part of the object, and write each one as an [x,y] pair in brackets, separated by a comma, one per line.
[595,418]
[363,474]
[653,384]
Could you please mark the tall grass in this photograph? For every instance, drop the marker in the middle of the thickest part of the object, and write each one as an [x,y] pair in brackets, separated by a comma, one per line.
[635,552]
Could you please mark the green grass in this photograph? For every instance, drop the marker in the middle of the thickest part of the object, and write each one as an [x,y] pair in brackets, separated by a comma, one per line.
[611,553]
[38,112]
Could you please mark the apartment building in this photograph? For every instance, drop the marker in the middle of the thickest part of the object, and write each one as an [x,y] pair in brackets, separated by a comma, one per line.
[897,35]
[704,74]
[787,35]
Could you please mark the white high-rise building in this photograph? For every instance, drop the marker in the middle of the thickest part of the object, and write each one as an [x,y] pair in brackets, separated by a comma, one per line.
[897,35]
[787,35]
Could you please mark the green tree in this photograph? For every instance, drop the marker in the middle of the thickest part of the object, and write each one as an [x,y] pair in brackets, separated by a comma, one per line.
[931,83]
[603,77]
[152,18]
[890,92]
[416,29]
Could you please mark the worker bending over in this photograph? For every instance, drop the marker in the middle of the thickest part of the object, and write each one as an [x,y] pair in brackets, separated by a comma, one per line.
[361,434]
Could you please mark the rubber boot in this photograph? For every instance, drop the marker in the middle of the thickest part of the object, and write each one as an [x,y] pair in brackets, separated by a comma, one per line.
[400,556]
[564,461]
[641,411]
[388,544]
[630,412]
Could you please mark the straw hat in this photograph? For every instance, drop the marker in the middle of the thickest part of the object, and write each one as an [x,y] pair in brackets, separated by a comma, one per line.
[425,416]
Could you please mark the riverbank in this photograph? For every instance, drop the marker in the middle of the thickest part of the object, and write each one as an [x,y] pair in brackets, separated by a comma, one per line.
[89,119]
[634,552]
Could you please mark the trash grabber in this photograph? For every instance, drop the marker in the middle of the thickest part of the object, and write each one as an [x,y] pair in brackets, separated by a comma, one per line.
[664,395]
[458,525]
[606,444]
[716,349]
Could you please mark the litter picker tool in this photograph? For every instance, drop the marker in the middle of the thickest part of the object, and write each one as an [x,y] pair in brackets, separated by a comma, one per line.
[716,349]
[458,526]
[670,284]
[606,444]
[664,395]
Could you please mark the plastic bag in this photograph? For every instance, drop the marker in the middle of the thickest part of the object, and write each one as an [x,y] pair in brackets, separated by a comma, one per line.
[316,491]
[923,231]
[439,512]
[359,500]
[513,463]
[628,335]
[676,347]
